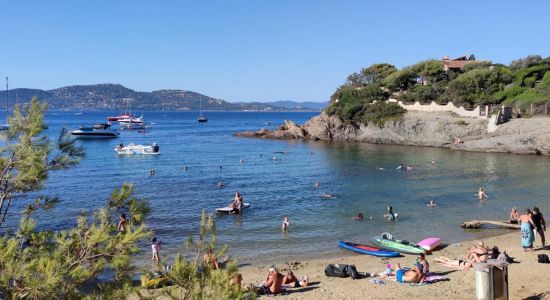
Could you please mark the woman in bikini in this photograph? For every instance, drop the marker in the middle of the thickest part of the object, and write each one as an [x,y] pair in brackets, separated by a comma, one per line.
[454,263]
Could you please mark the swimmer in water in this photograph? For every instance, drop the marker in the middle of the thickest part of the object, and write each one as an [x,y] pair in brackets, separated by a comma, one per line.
[378,168]
[220,184]
[359,217]
[221,167]
[390,216]
[186,168]
[432,203]
[409,167]
[327,196]
[317,184]
[481,194]
[433,162]
[151,172]
[286,224]
[242,161]
[399,168]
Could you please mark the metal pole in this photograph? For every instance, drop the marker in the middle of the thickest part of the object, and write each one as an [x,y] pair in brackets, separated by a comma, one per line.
[7,95]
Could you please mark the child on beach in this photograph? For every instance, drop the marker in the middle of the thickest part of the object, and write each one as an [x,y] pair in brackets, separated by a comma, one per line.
[155,247]
[286,223]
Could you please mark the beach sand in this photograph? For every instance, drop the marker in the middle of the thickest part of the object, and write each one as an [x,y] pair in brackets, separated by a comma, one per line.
[526,279]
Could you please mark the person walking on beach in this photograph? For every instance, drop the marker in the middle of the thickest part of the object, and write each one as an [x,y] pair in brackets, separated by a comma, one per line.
[122,223]
[540,224]
[155,247]
[527,225]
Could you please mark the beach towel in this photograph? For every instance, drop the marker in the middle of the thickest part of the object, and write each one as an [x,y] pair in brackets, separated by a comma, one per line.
[377,281]
[527,236]
[431,277]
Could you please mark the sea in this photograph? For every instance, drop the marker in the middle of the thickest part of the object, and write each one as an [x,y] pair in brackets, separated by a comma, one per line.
[278,178]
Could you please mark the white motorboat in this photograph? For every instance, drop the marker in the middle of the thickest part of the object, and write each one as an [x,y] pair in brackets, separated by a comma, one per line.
[132,123]
[133,149]
[98,131]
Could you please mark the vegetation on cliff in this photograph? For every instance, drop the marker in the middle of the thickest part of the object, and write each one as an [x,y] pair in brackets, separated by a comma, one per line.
[466,82]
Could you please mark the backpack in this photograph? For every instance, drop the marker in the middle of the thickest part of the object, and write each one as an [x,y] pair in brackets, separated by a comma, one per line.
[333,270]
[543,259]
[352,271]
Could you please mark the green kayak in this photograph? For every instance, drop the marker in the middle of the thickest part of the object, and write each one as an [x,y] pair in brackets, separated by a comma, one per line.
[398,245]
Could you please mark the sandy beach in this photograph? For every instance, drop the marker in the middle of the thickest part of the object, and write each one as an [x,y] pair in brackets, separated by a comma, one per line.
[527,279]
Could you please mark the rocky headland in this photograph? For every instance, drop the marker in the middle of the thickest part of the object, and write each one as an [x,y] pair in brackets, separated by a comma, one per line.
[518,136]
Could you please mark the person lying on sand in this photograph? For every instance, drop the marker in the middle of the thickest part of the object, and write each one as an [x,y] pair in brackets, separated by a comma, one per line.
[454,263]
[290,279]
[272,284]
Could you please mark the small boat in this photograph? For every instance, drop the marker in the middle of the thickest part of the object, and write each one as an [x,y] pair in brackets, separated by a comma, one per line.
[387,242]
[118,118]
[98,131]
[132,123]
[364,249]
[133,149]
[202,119]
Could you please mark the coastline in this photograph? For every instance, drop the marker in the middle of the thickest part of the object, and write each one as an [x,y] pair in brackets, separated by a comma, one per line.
[439,129]
[526,279]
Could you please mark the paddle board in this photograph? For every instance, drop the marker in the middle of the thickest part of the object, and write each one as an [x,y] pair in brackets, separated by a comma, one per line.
[364,249]
[398,245]
[228,209]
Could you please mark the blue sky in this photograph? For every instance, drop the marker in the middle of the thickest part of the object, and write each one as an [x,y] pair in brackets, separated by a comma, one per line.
[253,50]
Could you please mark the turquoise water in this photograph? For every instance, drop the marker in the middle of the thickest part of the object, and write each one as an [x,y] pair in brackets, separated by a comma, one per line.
[286,187]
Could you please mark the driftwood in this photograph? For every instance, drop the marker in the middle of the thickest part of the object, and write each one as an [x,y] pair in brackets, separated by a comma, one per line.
[479,223]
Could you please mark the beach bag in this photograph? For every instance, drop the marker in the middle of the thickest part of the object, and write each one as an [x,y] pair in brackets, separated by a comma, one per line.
[543,259]
[352,272]
[333,270]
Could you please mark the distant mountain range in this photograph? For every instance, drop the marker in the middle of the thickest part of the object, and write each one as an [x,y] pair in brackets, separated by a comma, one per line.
[116,96]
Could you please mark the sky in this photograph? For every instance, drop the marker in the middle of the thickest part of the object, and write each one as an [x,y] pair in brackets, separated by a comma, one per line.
[254,50]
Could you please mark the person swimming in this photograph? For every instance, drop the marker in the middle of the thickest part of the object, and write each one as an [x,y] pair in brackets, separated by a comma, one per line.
[242,161]
[317,184]
[359,217]
[286,224]
[432,203]
[390,215]
[409,167]
[378,168]
[481,194]
[151,172]
[220,184]
[399,168]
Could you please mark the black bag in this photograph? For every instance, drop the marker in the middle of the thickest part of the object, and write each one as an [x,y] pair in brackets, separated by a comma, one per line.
[337,270]
[352,271]
[543,259]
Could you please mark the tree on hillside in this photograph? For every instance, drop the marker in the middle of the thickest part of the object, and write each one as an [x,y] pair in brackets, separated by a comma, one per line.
[373,74]
[477,86]
[429,70]
[401,80]
[525,62]
[27,156]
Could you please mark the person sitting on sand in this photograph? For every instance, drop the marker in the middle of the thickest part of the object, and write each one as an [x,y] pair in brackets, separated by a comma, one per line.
[514,216]
[413,275]
[286,224]
[478,253]
[236,280]
[290,279]
[481,194]
[454,263]
[237,204]
[211,259]
[272,284]
[422,264]
[359,217]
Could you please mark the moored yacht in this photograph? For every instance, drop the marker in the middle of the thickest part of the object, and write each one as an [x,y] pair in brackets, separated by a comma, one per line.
[98,131]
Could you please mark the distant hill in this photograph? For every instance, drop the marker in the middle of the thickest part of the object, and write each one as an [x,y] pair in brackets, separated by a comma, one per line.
[298,105]
[115,96]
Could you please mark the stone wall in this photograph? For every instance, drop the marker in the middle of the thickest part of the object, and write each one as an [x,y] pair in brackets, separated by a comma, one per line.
[450,107]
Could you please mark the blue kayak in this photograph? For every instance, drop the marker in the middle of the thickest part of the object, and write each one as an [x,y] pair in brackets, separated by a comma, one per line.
[364,249]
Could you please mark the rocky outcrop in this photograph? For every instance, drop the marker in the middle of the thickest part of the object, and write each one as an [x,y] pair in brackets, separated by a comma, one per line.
[520,136]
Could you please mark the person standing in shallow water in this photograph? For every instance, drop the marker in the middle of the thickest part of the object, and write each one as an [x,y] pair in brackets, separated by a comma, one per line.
[122,223]
[527,225]
[540,224]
